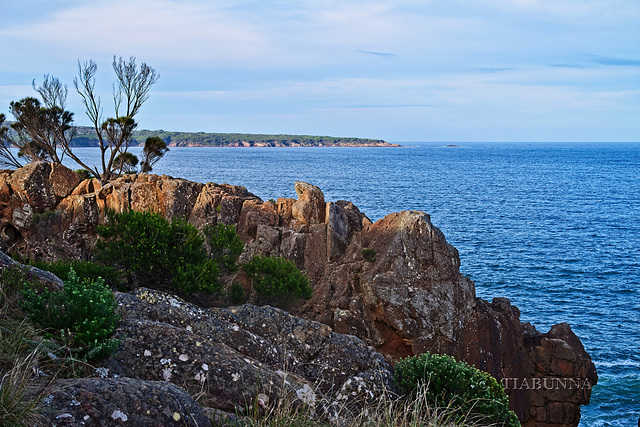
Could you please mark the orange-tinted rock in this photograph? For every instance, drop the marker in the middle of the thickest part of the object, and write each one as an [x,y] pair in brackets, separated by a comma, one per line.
[396,283]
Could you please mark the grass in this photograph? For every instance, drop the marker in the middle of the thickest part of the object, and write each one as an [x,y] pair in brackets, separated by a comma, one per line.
[388,411]
[21,394]
[20,388]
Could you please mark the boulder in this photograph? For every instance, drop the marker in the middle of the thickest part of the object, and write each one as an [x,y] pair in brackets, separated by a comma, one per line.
[120,401]
[237,356]
[49,279]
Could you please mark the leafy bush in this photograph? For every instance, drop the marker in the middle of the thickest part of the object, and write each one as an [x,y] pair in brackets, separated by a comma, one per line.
[447,382]
[81,317]
[83,174]
[277,277]
[225,245]
[156,253]
[369,254]
[84,270]
[237,294]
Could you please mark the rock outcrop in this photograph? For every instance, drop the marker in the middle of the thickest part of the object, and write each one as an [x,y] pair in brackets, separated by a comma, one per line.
[239,357]
[395,284]
[120,401]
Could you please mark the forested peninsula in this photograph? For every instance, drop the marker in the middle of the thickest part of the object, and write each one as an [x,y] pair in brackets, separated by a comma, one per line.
[86,137]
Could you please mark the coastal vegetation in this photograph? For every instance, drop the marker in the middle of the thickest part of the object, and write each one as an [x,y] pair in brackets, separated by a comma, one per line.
[276,278]
[78,320]
[445,382]
[43,130]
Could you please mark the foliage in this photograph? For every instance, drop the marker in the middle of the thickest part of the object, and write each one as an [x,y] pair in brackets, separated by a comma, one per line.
[154,252]
[369,254]
[224,245]
[46,218]
[126,162]
[83,174]
[19,402]
[130,91]
[237,295]
[81,317]
[84,270]
[154,149]
[277,277]
[42,128]
[7,159]
[449,382]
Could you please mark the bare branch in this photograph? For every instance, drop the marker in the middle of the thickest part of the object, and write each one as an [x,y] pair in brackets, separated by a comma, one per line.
[52,92]
[132,85]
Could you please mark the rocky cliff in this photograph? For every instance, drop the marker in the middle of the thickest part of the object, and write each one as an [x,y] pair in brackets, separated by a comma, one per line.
[395,283]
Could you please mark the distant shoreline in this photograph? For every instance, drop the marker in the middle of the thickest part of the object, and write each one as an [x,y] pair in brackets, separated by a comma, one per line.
[86,137]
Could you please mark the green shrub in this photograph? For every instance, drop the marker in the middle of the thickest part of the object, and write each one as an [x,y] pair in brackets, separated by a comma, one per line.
[277,277]
[237,295]
[225,245]
[156,253]
[81,317]
[83,174]
[369,254]
[447,382]
[84,270]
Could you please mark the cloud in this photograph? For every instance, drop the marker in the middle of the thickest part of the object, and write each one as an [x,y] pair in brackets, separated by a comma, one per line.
[159,29]
[380,54]
[604,60]
[389,106]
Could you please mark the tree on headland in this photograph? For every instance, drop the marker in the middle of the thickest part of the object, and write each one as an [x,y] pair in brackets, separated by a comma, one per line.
[154,149]
[6,156]
[130,92]
[126,162]
[43,129]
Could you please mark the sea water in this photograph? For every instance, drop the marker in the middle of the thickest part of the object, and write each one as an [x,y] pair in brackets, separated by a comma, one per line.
[555,227]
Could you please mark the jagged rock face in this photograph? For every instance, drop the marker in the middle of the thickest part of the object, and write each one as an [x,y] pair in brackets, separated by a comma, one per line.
[231,355]
[395,284]
[120,401]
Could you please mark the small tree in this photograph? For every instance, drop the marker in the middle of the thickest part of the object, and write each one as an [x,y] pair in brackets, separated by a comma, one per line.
[126,162]
[41,129]
[6,155]
[130,92]
[154,149]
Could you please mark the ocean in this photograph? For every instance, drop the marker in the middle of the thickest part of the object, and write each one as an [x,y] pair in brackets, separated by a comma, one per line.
[555,227]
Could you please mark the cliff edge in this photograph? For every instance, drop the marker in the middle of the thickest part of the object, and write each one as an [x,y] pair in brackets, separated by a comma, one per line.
[395,283]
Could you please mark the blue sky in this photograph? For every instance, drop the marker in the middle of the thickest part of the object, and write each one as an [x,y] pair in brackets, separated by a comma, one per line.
[401,70]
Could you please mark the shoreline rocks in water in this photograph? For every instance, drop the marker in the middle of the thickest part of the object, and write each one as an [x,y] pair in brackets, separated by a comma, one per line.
[395,283]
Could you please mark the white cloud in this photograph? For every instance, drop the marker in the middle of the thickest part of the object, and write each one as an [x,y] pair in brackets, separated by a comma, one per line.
[158,28]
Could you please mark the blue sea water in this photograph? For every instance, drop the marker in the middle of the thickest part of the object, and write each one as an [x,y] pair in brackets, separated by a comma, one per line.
[555,227]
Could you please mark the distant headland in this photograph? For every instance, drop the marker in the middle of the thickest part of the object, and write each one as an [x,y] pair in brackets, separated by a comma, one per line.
[86,138]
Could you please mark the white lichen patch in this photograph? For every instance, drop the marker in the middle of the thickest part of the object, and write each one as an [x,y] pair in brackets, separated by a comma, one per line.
[119,415]
[176,416]
[263,400]
[183,357]
[307,395]
[235,377]
[147,353]
[102,372]
[166,374]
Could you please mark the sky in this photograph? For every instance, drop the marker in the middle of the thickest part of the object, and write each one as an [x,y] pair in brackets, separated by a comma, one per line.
[400,70]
